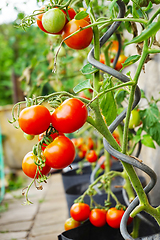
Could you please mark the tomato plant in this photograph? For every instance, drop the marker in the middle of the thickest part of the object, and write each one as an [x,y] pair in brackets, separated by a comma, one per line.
[114,216]
[98,217]
[70,223]
[53,20]
[29,166]
[69,116]
[80,211]
[60,153]
[81,39]
[34,120]
[91,156]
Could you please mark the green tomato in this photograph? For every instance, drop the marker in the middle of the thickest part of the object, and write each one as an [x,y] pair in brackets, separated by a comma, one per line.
[62,51]
[28,136]
[134,119]
[53,20]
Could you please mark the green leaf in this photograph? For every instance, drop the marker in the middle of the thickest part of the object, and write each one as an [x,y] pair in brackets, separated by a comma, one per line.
[82,86]
[81,15]
[111,6]
[108,104]
[146,33]
[130,60]
[151,122]
[128,27]
[147,141]
[137,138]
[89,69]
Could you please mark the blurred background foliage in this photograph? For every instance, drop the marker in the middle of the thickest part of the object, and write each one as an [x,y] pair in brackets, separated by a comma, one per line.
[27,60]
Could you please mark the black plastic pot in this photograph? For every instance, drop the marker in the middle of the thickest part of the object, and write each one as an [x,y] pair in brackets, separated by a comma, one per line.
[70,177]
[89,232]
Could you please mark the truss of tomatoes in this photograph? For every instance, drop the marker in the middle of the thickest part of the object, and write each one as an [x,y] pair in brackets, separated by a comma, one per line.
[81,211]
[61,22]
[57,150]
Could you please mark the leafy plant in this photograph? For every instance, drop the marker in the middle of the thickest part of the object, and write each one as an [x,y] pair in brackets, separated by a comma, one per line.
[112,91]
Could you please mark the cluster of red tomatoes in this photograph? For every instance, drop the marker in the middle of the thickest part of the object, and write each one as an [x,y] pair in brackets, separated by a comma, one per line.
[85,148]
[55,150]
[98,217]
[62,22]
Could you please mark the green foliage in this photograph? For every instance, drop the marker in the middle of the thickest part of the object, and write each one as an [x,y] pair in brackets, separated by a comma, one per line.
[20,50]
[151,121]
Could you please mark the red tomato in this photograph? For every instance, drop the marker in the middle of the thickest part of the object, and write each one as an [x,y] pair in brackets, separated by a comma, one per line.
[70,223]
[81,39]
[98,217]
[80,211]
[51,138]
[29,167]
[34,120]
[114,216]
[69,116]
[91,156]
[60,153]
[39,21]
[122,58]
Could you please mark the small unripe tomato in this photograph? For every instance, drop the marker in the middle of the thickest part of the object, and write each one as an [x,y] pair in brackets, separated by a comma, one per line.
[53,20]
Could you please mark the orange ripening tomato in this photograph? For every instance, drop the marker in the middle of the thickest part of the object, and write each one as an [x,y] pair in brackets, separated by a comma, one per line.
[70,223]
[102,58]
[29,167]
[81,39]
[122,58]
[114,46]
[60,153]
[34,120]
[69,116]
